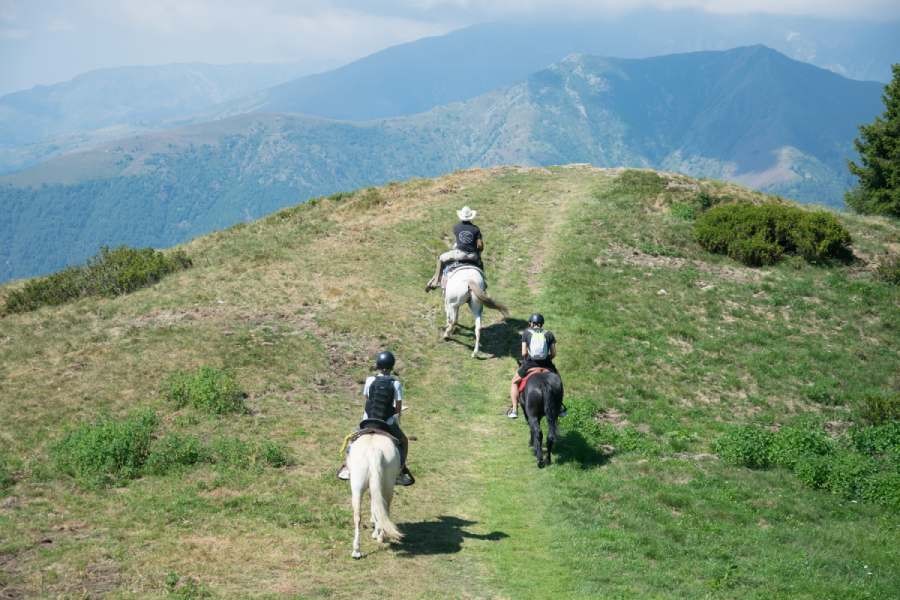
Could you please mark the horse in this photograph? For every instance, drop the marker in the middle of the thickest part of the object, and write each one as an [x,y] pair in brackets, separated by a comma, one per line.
[542,397]
[374,463]
[466,285]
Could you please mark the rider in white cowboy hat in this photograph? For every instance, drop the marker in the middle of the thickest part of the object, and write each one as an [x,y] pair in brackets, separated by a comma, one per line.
[467,246]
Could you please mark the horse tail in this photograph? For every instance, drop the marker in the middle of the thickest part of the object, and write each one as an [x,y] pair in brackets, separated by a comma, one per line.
[379,503]
[487,300]
[552,390]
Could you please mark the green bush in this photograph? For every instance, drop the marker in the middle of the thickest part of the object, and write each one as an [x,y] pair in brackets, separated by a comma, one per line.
[174,451]
[6,474]
[877,439]
[790,444]
[882,488]
[888,270]
[759,235]
[236,453]
[848,472]
[111,272]
[684,211]
[878,408]
[643,182]
[813,470]
[108,451]
[745,446]
[208,389]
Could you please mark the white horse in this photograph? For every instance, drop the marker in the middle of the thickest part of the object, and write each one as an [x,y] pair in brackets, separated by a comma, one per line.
[374,463]
[466,284]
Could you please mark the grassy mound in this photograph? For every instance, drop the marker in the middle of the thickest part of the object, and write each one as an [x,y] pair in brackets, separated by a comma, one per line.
[664,349]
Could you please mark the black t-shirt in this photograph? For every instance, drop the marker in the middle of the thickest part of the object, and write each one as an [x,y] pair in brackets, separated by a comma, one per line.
[548,336]
[467,236]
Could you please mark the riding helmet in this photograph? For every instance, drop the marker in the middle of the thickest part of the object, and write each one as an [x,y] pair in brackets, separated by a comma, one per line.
[537,319]
[384,360]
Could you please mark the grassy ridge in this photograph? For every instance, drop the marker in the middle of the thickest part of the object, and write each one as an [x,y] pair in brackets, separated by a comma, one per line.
[295,305]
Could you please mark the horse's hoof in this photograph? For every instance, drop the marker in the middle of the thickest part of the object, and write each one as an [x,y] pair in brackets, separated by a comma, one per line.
[356,554]
[540,464]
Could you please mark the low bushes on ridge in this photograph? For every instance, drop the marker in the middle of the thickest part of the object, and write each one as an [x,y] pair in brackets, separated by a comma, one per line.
[113,451]
[759,235]
[207,389]
[112,272]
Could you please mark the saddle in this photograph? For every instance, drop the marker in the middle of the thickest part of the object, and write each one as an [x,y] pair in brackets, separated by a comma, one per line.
[455,266]
[532,371]
[372,426]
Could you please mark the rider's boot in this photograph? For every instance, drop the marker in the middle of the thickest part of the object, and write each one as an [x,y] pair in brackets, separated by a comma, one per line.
[343,473]
[405,477]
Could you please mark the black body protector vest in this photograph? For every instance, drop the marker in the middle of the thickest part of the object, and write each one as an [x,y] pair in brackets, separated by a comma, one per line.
[380,403]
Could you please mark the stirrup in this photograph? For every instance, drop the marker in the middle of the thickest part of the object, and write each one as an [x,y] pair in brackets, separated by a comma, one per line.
[405,478]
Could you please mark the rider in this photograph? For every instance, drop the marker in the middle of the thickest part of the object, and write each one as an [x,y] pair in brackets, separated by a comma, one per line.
[467,246]
[384,403]
[538,351]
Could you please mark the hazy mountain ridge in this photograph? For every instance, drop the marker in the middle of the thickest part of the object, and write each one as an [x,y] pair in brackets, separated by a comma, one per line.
[99,105]
[682,111]
[419,75]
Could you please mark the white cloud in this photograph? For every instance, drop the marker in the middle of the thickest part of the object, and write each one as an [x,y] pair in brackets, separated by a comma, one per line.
[13,34]
[512,8]
[59,25]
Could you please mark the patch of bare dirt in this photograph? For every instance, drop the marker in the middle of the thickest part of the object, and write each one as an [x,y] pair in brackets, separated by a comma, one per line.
[634,257]
[612,417]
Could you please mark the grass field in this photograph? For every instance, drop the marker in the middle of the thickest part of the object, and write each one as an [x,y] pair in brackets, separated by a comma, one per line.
[661,346]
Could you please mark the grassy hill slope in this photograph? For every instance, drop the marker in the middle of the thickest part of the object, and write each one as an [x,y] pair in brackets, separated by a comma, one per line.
[662,346]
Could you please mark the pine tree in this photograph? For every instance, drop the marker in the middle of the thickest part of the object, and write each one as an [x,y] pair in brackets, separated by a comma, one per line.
[879,152]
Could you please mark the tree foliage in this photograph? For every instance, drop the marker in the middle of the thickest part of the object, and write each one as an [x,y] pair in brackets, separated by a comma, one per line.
[879,152]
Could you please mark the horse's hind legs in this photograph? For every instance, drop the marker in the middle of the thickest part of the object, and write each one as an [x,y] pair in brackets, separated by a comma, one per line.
[537,439]
[551,438]
[356,501]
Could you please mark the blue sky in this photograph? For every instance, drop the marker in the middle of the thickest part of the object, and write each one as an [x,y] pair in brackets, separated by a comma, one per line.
[46,41]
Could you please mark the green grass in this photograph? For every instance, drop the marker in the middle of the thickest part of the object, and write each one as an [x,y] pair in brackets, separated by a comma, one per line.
[663,348]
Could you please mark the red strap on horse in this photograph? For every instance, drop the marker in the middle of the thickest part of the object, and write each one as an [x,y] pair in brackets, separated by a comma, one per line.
[532,371]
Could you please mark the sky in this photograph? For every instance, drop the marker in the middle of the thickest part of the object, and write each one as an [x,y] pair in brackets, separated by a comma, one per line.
[47,41]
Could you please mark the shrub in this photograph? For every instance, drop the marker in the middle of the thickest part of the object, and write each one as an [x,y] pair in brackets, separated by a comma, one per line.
[239,454]
[878,408]
[6,474]
[848,472]
[173,451]
[759,235]
[208,389]
[705,200]
[888,270]
[684,211]
[644,182]
[812,470]
[877,439]
[108,451]
[882,488]
[746,446]
[790,444]
[111,272]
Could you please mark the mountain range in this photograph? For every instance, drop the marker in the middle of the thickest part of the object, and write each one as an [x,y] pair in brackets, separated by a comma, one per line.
[408,78]
[749,114]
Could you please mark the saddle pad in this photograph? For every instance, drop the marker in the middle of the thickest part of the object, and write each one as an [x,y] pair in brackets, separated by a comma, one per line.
[528,375]
[372,430]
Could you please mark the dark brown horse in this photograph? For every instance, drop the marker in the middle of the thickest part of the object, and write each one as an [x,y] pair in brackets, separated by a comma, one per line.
[542,397]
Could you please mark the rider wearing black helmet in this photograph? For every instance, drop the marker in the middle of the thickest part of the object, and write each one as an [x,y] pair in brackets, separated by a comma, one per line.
[384,403]
[538,351]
